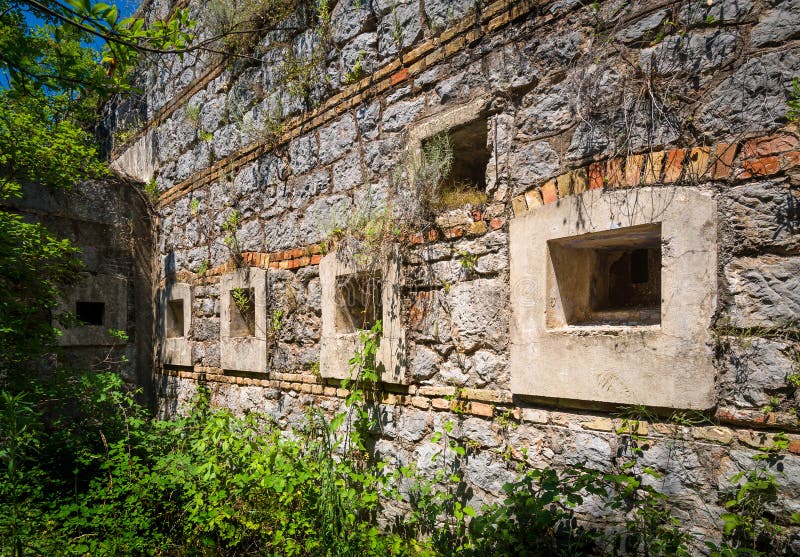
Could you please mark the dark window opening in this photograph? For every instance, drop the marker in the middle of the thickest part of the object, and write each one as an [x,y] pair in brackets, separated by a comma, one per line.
[630,284]
[358,302]
[242,312]
[640,268]
[175,318]
[465,183]
[90,313]
[607,278]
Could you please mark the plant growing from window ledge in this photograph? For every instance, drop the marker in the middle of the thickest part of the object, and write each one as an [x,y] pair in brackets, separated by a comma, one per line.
[231,227]
[243,299]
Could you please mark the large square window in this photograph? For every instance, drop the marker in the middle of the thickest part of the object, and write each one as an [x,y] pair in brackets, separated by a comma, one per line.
[612,298]
[353,300]
[243,320]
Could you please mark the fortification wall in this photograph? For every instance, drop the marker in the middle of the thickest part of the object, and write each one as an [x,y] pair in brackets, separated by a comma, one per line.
[110,222]
[656,134]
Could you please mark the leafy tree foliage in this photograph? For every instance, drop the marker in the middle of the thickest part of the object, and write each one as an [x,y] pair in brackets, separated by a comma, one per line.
[52,84]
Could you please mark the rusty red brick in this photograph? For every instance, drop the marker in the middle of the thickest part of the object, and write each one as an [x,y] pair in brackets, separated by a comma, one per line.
[698,162]
[613,176]
[416,238]
[316,258]
[455,232]
[673,168]
[770,145]
[790,160]
[399,76]
[549,192]
[495,224]
[596,176]
[763,166]
[633,170]
[724,155]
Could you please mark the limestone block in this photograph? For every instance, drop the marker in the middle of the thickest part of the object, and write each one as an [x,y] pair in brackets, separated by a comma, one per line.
[754,97]
[303,154]
[763,215]
[693,53]
[348,19]
[399,28]
[324,216]
[347,173]
[175,324]
[698,12]
[532,163]
[337,138]
[754,370]
[643,28]
[479,313]
[779,24]
[424,362]
[397,116]
[668,364]
[240,349]
[765,290]
[362,50]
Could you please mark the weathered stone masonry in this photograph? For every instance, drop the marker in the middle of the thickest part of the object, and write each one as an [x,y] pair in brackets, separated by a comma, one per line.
[650,133]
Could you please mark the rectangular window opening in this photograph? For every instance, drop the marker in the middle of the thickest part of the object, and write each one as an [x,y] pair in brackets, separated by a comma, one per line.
[242,312]
[607,278]
[90,313]
[175,318]
[466,147]
[358,302]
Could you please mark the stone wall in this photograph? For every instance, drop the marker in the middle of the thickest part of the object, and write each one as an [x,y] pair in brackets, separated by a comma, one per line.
[608,102]
[111,224]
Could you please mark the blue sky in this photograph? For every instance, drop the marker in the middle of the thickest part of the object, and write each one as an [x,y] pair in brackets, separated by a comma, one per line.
[125,8]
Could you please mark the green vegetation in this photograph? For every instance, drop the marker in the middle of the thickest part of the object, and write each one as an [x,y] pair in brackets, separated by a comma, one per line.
[88,472]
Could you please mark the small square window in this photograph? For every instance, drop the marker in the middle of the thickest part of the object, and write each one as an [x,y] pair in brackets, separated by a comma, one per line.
[90,313]
[175,318]
[607,278]
[242,312]
[358,302]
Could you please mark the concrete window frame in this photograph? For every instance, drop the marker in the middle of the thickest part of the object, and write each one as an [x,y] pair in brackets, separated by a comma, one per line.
[176,348]
[336,348]
[668,364]
[112,291]
[244,353]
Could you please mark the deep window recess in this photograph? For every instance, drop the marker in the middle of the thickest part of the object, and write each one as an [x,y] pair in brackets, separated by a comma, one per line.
[242,312]
[175,317]
[465,147]
[90,313]
[358,302]
[608,278]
